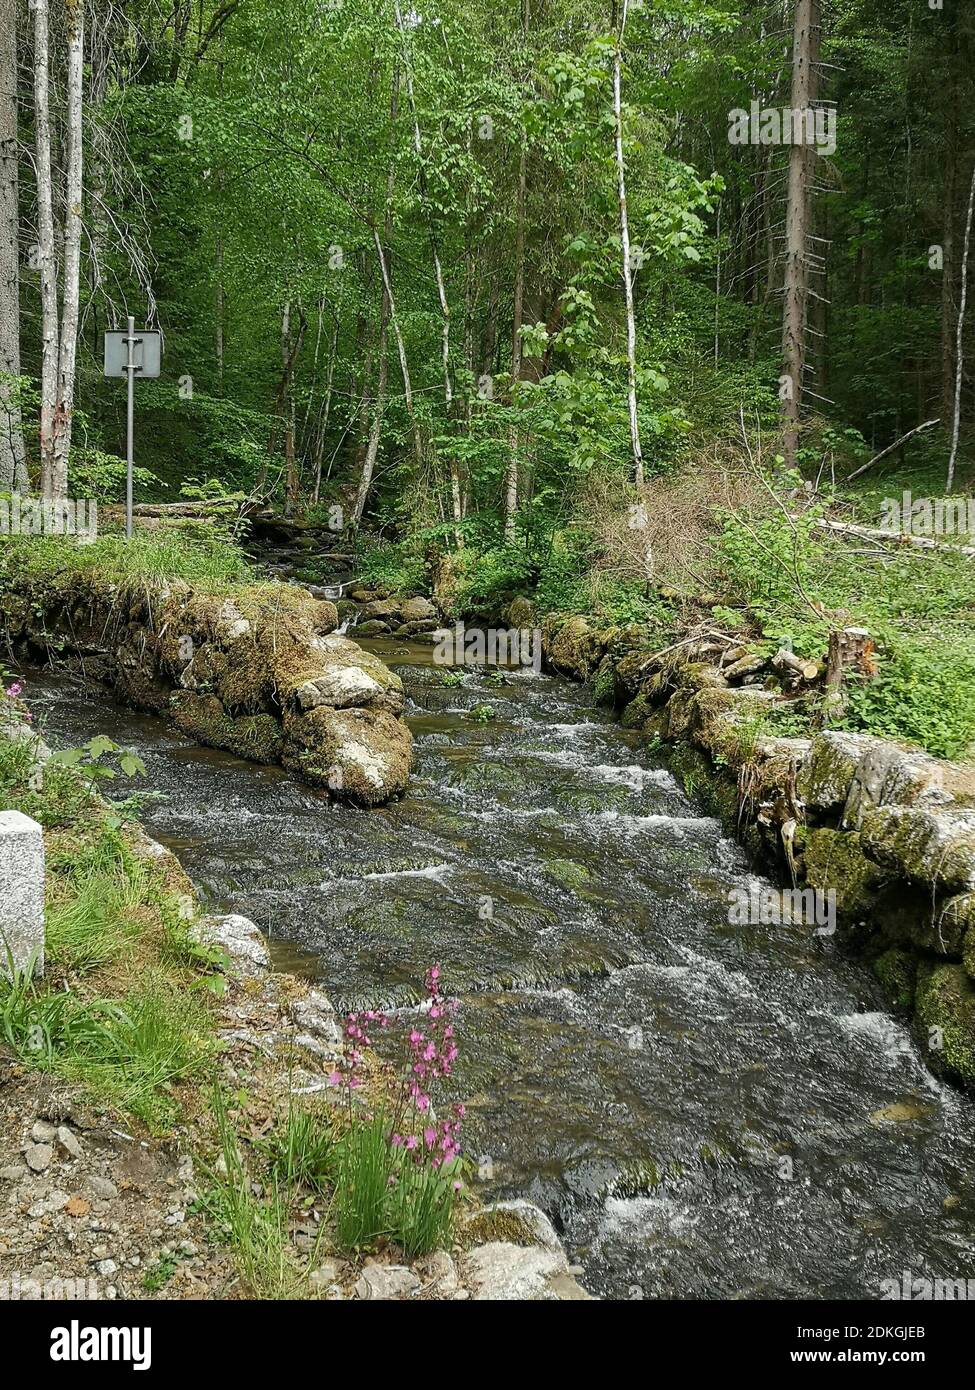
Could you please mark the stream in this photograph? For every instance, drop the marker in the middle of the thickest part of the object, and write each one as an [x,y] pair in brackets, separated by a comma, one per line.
[705,1111]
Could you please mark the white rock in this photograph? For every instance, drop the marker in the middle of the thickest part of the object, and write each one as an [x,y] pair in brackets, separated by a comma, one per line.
[386,1281]
[69,1142]
[38,1157]
[47,1206]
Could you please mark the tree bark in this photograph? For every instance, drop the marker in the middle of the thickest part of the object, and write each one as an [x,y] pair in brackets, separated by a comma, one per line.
[45,245]
[959,342]
[511,472]
[71,288]
[631,395]
[455,489]
[13,467]
[795,313]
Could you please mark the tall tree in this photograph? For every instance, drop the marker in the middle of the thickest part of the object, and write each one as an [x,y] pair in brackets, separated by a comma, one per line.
[631,396]
[13,468]
[795,311]
[71,285]
[46,253]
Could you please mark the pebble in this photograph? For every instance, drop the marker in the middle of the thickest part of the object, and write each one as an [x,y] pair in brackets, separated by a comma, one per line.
[38,1157]
[14,1172]
[42,1132]
[386,1281]
[101,1187]
[47,1206]
[69,1142]
[106,1267]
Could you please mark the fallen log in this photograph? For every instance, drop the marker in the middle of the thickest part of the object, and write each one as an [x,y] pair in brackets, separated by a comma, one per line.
[791,667]
[878,533]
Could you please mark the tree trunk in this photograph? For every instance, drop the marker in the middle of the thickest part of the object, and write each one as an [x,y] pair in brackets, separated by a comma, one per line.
[627,267]
[375,432]
[324,416]
[455,491]
[795,313]
[71,288]
[45,246]
[511,472]
[959,342]
[13,468]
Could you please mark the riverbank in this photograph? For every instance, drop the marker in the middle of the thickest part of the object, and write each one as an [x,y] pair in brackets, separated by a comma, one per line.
[883,831]
[176,629]
[173,1117]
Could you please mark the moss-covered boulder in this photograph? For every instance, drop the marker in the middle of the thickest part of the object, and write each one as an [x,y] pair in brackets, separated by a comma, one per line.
[604,685]
[835,860]
[637,713]
[348,676]
[896,970]
[827,775]
[572,646]
[257,737]
[931,847]
[360,755]
[945,1012]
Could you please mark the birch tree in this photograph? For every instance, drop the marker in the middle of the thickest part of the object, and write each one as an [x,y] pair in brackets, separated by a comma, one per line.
[631,393]
[960,340]
[71,287]
[13,468]
[45,244]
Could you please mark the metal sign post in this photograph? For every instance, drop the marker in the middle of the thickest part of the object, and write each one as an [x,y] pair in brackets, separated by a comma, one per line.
[130,368]
[125,354]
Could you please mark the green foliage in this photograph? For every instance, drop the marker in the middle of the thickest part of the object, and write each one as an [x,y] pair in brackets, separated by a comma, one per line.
[381,1191]
[102,476]
[198,554]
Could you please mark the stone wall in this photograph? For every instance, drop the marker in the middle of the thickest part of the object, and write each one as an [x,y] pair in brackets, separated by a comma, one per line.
[259,671]
[890,829]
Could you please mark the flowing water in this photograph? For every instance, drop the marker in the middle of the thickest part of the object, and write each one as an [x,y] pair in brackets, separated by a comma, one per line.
[704,1110]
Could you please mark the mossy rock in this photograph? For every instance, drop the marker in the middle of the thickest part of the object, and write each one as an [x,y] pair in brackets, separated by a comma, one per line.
[567,872]
[604,685]
[835,859]
[637,712]
[572,646]
[630,674]
[714,788]
[931,847]
[896,970]
[360,755]
[945,1005]
[698,675]
[497,1224]
[827,775]
[257,737]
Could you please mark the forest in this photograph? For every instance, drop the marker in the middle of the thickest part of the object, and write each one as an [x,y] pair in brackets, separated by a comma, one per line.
[634,339]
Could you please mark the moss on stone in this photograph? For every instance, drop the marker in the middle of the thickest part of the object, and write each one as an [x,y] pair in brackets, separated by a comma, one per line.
[896,969]
[257,737]
[936,848]
[604,685]
[637,712]
[572,646]
[360,755]
[945,1004]
[567,872]
[715,789]
[497,1224]
[835,859]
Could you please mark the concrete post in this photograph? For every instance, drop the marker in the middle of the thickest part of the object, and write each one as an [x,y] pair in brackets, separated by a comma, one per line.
[21,891]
